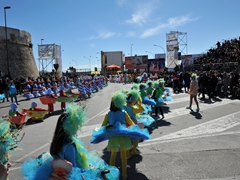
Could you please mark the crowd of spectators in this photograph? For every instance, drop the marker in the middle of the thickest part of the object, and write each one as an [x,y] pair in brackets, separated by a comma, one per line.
[227,51]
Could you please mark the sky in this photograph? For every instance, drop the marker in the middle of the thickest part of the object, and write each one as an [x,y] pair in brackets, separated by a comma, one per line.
[83,28]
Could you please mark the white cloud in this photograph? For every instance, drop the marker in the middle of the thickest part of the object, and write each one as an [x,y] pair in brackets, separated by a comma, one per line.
[142,14]
[103,35]
[120,2]
[172,23]
[131,34]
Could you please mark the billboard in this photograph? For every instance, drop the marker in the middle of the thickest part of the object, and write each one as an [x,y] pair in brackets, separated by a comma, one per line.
[172,48]
[46,51]
[136,62]
[188,60]
[156,65]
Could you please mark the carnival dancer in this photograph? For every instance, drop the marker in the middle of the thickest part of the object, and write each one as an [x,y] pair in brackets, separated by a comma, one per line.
[157,96]
[49,85]
[144,77]
[34,107]
[55,87]
[150,89]
[62,93]
[133,107]
[27,91]
[8,142]
[88,89]
[50,93]
[94,86]
[82,90]
[14,110]
[145,98]
[35,91]
[41,89]
[193,91]
[114,128]
[68,159]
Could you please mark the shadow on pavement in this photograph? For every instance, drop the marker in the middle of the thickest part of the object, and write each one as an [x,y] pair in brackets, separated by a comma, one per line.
[158,123]
[132,172]
[196,114]
[32,122]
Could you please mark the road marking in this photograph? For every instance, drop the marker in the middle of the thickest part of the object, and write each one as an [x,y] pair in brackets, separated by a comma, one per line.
[145,143]
[214,126]
[99,114]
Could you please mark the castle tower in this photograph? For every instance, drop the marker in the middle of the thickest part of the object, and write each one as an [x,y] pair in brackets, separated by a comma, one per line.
[20,54]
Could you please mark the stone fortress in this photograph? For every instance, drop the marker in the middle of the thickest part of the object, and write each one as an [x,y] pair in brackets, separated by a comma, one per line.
[20,54]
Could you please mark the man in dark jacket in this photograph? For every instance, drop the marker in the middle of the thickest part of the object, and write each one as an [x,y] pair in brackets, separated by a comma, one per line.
[205,82]
[186,78]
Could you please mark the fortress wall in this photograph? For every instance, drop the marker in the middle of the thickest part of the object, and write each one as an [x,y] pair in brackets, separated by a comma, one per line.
[20,53]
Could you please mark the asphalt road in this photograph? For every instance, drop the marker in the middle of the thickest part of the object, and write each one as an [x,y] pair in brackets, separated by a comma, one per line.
[185,145]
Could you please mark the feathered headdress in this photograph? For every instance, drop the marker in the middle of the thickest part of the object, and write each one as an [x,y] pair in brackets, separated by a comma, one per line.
[75,119]
[194,75]
[135,86]
[8,140]
[133,95]
[156,84]
[161,80]
[119,99]
[149,83]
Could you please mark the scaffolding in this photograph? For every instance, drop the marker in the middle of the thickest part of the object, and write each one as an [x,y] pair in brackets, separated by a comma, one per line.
[49,55]
[176,47]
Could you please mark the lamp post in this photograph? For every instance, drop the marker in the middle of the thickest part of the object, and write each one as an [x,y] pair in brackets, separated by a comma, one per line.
[41,41]
[98,62]
[5,8]
[131,49]
[150,53]
[163,50]
[89,61]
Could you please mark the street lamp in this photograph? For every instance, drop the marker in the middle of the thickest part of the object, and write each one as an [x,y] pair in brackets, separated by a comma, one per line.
[150,53]
[6,7]
[131,49]
[75,62]
[89,61]
[41,41]
[162,49]
[98,62]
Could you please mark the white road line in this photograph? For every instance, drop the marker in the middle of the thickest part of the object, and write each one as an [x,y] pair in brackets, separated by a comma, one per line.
[145,143]
[104,110]
[214,126]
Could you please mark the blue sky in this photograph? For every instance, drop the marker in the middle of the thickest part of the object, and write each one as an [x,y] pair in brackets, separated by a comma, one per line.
[85,27]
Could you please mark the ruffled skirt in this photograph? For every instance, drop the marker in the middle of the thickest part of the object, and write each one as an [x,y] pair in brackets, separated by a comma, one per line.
[41,169]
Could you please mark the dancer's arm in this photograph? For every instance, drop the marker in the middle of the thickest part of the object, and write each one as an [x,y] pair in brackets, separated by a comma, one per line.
[128,119]
[105,121]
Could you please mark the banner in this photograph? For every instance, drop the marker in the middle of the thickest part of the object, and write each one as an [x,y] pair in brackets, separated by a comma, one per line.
[172,49]
[46,51]
[136,62]
[188,60]
[156,65]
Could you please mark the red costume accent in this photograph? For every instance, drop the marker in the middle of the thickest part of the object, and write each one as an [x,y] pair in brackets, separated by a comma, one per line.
[50,106]
[63,104]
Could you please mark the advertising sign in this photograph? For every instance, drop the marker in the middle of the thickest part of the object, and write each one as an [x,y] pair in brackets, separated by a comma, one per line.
[136,62]
[156,65]
[46,51]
